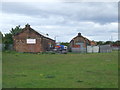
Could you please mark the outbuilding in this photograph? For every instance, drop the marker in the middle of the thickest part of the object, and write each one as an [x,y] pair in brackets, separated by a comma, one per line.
[79,43]
[30,40]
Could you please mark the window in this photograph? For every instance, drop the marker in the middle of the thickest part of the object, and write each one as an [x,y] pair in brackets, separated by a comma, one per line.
[31,41]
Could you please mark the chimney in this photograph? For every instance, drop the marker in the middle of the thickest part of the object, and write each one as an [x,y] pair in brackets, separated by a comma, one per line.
[27,26]
[79,34]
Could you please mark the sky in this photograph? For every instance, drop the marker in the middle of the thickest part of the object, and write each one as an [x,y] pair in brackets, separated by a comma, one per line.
[96,21]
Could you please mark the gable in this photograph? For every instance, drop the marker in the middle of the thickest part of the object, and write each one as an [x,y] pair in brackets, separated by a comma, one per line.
[80,39]
[28,32]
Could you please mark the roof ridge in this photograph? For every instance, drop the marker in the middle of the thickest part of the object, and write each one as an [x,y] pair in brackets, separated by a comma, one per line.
[28,26]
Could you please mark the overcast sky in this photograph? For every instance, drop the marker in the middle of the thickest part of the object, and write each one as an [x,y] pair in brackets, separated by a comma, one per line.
[96,21]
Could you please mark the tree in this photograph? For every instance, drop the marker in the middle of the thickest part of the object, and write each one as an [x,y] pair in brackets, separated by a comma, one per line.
[7,39]
[16,30]
[1,37]
[64,43]
[100,43]
[108,42]
[116,43]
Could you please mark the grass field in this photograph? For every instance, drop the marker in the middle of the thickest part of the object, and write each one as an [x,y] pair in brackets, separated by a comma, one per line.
[23,70]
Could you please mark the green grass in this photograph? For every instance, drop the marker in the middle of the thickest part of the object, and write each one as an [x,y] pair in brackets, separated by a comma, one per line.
[23,70]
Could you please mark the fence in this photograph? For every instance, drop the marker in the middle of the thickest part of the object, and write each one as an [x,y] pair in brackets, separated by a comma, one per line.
[0,47]
[92,49]
[89,49]
[115,48]
[105,48]
[6,46]
[78,50]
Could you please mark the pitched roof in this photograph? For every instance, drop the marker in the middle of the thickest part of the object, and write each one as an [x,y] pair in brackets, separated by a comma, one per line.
[28,27]
[82,37]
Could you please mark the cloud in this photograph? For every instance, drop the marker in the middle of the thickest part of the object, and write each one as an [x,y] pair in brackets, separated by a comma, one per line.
[97,12]
[91,30]
[96,21]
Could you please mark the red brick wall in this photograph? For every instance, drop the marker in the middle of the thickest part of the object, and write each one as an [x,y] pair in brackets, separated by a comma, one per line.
[46,43]
[78,40]
[20,41]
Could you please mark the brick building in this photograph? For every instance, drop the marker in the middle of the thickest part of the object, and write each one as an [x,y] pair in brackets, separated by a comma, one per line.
[81,42]
[31,41]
